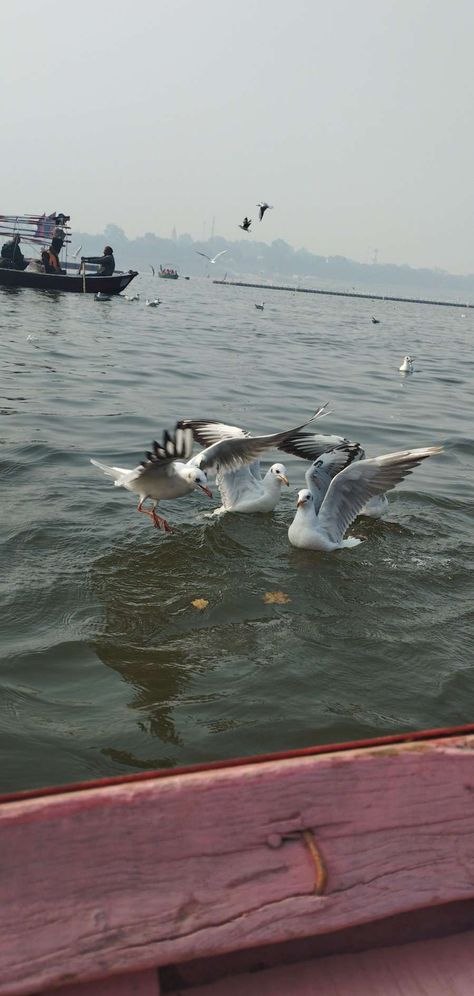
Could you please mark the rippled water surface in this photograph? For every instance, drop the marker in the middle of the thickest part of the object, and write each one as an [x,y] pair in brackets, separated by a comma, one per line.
[106,666]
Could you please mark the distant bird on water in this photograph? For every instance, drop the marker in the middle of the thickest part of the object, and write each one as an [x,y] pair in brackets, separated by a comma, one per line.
[407,365]
[132,297]
[152,304]
[261,306]
[211,259]
[263,207]
[375,321]
[100,296]
[245,226]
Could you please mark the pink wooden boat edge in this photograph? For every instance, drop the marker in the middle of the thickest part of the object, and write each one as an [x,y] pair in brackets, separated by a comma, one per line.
[114,880]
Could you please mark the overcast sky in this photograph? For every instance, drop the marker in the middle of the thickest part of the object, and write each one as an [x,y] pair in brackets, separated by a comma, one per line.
[355,119]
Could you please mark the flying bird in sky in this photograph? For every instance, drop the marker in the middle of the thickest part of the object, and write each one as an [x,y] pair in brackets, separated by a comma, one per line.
[245,226]
[211,259]
[263,207]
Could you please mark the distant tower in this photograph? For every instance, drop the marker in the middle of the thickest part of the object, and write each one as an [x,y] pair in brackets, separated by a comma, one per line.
[375,256]
[213,226]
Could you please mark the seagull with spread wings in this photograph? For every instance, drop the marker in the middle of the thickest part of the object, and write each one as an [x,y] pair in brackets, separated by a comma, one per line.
[263,207]
[170,471]
[346,496]
[212,259]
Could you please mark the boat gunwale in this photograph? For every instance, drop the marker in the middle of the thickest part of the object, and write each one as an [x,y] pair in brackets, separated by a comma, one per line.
[418,736]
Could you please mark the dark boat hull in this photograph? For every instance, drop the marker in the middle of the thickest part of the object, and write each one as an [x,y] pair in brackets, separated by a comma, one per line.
[63,282]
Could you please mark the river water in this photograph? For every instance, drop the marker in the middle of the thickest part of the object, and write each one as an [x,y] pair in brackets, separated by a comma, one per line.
[107,668]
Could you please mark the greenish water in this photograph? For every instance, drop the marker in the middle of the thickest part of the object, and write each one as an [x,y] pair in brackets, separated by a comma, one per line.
[106,666]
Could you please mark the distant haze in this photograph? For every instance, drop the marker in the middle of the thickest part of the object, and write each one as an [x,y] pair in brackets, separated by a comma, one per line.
[353,119]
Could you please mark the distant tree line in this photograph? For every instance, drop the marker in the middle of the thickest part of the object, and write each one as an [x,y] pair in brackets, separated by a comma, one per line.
[278,261]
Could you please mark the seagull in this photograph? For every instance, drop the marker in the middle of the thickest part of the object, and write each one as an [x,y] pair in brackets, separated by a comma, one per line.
[375,321]
[261,306]
[133,297]
[407,365]
[263,207]
[329,455]
[76,253]
[346,496]
[170,471]
[101,297]
[153,304]
[152,268]
[245,226]
[213,258]
[242,488]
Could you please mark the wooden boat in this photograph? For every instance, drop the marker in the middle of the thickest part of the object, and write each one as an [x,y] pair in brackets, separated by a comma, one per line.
[66,281]
[168,272]
[36,231]
[345,869]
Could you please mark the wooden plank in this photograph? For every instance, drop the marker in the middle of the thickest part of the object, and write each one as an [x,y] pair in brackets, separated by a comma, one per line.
[133,984]
[156,872]
[442,967]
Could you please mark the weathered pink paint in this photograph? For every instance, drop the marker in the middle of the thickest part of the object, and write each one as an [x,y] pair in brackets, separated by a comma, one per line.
[135,984]
[127,877]
[442,967]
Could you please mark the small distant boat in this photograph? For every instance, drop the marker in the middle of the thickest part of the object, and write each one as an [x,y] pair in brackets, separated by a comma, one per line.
[168,272]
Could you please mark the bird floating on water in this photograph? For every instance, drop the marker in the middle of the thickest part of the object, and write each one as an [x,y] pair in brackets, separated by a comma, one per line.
[245,226]
[263,207]
[153,304]
[407,365]
[261,306]
[212,259]
[132,297]
[346,496]
[242,488]
[100,296]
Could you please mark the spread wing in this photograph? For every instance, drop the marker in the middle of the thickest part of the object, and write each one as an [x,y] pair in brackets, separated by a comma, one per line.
[207,432]
[160,459]
[235,451]
[320,474]
[353,487]
[202,254]
[221,253]
[310,445]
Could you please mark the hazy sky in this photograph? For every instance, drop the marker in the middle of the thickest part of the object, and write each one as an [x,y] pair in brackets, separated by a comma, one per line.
[353,117]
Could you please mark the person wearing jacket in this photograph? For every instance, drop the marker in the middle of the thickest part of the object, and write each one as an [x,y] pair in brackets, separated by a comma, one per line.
[12,256]
[106,262]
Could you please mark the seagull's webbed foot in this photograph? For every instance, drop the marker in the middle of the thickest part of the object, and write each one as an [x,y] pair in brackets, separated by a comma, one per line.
[158,520]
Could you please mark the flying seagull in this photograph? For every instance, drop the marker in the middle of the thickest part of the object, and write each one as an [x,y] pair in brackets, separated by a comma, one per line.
[346,496]
[245,226]
[211,259]
[263,207]
[375,321]
[152,268]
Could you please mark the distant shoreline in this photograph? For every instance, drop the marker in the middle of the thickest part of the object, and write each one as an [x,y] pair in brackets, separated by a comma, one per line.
[334,293]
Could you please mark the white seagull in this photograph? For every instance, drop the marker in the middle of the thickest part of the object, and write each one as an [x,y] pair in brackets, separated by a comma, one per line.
[100,296]
[212,259]
[170,472]
[329,455]
[153,304]
[261,306]
[346,496]
[263,207]
[133,297]
[407,365]
[242,488]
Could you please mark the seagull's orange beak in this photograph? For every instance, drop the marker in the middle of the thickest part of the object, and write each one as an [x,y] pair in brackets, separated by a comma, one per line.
[207,491]
[284,479]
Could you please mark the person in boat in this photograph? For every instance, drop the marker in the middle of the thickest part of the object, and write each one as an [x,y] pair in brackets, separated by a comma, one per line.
[106,262]
[50,261]
[12,256]
[59,234]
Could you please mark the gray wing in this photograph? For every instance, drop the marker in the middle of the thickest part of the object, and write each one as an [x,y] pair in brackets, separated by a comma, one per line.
[159,460]
[353,487]
[239,485]
[310,445]
[232,453]
[203,254]
[321,472]
[206,432]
